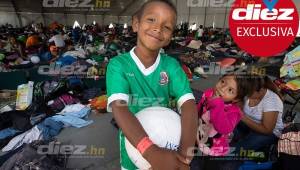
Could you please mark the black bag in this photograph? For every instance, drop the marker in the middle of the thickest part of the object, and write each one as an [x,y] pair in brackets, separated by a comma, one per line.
[19,120]
[28,159]
[44,92]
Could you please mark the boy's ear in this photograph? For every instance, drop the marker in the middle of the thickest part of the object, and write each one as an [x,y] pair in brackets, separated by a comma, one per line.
[135,24]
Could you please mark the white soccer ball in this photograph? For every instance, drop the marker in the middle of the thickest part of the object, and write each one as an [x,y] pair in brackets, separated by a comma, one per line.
[163,127]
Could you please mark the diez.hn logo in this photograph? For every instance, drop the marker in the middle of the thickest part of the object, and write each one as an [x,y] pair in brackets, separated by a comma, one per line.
[76,3]
[209,3]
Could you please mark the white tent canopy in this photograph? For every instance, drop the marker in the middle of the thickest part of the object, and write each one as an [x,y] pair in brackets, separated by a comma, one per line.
[23,12]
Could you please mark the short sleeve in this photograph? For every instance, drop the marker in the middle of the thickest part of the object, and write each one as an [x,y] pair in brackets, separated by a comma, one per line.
[116,83]
[272,103]
[180,86]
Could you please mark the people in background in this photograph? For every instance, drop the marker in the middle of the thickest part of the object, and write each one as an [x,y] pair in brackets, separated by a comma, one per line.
[16,47]
[58,39]
[54,53]
[76,34]
[32,40]
[261,122]
[199,34]
[50,55]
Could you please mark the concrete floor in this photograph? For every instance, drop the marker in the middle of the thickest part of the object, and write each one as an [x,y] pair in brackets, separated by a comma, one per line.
[101,135]
[203,84]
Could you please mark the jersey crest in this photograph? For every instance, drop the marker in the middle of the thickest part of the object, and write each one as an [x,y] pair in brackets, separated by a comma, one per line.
[164,79]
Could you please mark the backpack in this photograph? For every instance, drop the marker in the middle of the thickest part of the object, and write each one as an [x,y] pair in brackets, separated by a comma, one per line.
[289,141]
[289,148]
[59,103]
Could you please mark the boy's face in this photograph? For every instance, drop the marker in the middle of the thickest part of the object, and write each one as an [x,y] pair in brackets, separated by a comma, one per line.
[155,26]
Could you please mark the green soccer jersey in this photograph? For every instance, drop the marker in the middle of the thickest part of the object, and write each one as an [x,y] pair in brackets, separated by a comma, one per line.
[127,79]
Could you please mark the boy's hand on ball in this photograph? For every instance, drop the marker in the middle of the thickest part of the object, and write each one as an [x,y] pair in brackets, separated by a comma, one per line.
[161,158]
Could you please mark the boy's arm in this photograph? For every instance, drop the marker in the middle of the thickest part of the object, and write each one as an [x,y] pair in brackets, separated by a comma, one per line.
[189,121]
[180,89]
[128,123]
[159,158]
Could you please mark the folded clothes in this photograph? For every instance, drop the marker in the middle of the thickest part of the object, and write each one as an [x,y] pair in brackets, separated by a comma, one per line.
[74,118]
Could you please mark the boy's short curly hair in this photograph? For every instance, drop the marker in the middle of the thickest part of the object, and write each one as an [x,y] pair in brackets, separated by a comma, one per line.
[140,12]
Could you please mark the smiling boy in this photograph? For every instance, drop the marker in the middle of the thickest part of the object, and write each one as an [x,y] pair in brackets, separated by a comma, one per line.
[144,73]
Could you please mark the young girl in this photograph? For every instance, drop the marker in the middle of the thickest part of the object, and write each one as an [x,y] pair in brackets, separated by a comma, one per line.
[219,113]
[144,73]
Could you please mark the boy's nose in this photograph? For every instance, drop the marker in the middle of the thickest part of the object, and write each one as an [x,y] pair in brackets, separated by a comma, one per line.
[157,28]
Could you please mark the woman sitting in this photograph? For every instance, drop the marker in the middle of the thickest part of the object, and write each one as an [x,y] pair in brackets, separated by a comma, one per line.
[261,123]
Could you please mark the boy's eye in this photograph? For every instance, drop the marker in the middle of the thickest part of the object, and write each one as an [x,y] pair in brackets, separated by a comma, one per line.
[222,81]
[151,19]
[168,28]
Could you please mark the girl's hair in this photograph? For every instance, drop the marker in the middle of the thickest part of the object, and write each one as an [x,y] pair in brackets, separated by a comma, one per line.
[140,12]
[249,83]
[257,82]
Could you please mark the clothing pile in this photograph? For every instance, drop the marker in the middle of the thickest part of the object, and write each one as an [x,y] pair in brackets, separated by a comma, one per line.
[54,106]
